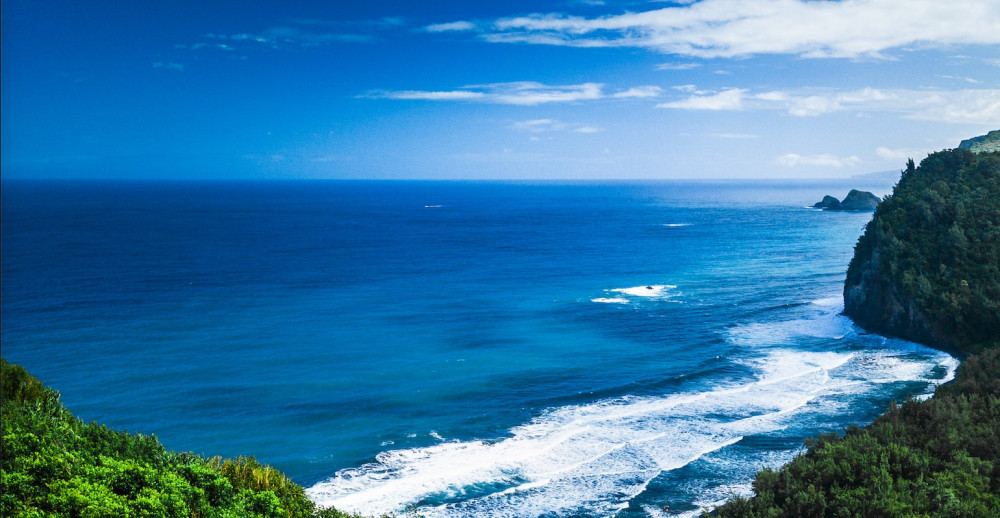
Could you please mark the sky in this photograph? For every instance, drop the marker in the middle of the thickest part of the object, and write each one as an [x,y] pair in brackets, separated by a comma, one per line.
[459,89]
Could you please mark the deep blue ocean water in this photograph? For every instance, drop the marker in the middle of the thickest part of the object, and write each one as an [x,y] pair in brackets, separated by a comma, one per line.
[468,348]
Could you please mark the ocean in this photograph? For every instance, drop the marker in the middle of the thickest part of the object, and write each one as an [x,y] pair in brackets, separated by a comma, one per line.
[457,348]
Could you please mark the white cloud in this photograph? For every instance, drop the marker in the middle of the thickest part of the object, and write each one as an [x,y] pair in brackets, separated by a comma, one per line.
[976,106]
[677,66]
[547,125]
[731,99]
[540,125]
[824,160]
[524,93]
[460,26]
[731,28]
[639,92]
[960,78]
[423,95]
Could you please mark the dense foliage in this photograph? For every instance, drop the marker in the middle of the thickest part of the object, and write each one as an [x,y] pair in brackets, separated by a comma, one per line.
[935,458]
[938,241]
[54,464]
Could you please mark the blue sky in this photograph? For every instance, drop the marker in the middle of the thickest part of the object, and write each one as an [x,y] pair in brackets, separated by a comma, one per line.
[492,90]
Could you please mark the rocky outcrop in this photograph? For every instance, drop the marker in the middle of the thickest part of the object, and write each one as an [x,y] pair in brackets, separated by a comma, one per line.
[828,203]
[876,304]
[855,200]
[987,143]
[859,200]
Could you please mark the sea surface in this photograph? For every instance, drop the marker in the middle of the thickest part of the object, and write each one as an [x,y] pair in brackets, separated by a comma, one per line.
[457,348]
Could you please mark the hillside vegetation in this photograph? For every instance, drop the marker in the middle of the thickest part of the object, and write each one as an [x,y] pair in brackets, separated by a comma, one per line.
[926,268]
[54,464]
[928,265]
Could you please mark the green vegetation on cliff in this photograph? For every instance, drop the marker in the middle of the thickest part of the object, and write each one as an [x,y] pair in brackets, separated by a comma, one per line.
[935,244]
[987,143]
[933,458]
[54,464]
[926,268]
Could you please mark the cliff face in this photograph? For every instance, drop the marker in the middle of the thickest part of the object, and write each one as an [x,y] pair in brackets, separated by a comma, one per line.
[876,304]
[987,143]
[927,267]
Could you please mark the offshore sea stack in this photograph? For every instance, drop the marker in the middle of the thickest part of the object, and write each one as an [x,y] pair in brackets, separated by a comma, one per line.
[856,200]
[927,267]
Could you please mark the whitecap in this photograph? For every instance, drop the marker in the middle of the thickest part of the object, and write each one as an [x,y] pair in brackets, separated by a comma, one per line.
[610,300]
[830,302]
[676,225]
[593,457]
[652,290]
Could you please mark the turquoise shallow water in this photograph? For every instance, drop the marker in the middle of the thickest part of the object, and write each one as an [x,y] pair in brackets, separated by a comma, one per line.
[473,349]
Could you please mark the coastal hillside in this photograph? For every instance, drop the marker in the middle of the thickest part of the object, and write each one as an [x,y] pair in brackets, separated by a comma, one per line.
[987,143]
[926,269]
[54,464]
[928,265]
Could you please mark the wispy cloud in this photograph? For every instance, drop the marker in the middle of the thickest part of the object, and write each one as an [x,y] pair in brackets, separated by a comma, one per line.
[524,93]
[540,125]
[639,92]
[976,106]
[168,65]
[459,26]
[731,99]
[677,66]
[553,125]
[824,160]
[299,33]
[425,95]
[732,28]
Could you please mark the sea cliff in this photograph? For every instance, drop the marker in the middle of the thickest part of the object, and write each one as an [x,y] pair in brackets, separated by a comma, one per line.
[927,268]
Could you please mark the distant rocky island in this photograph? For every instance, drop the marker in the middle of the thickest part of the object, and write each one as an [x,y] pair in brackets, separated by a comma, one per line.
[855,200]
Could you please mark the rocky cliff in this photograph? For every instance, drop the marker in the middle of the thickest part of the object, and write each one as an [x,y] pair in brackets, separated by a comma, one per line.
[987,143]
[876,304]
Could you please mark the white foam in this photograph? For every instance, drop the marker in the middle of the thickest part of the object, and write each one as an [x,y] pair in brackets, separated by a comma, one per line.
[610,300]
[593,457]
[831,302]
[676,225]
[651,290]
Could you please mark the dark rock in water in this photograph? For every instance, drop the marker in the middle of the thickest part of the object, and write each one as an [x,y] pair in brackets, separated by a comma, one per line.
[829,202]
[859,200]
[855,200]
